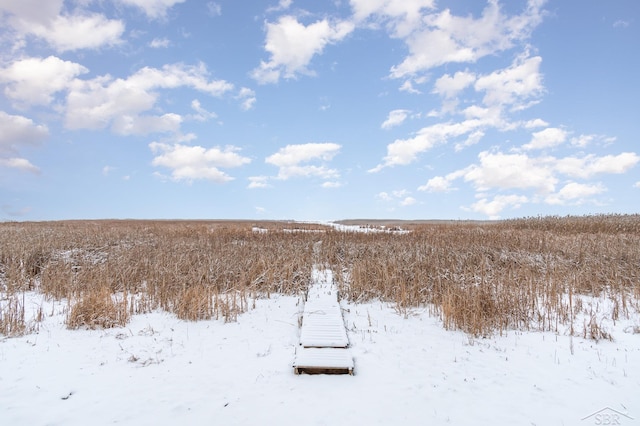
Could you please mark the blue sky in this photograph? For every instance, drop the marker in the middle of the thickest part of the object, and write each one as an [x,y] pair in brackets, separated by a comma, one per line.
[306,110]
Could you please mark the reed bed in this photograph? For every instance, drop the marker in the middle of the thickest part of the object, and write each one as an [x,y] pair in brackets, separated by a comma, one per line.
[528,274]
[550,273]
[109,270]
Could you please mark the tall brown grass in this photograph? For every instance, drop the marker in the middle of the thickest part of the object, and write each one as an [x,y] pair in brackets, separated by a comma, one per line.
[482,277]
[492,277]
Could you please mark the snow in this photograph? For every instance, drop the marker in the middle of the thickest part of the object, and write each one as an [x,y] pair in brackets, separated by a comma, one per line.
[159,370]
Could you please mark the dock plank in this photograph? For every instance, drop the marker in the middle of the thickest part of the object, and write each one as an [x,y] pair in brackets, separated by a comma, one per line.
[323,337]
[323,361]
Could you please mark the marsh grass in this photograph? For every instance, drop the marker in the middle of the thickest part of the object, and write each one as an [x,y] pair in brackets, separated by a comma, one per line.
[482,278]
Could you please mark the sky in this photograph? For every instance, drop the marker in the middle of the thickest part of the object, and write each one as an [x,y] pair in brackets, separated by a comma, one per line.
[308,110]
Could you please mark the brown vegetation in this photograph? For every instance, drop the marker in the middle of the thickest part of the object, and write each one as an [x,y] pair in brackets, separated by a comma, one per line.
[480,277]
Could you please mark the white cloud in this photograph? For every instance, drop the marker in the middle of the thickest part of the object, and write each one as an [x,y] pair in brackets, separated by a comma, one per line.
[17,131]
[201,113]
[146,124]
[21,164]
[81,32]
[510,171]
[154,9]
[437,184]
[395,118]
[189,163]
[35,11]
[247,98]
[582,141]
[291,160]
[636,185]
[520,171]
[547,138]
[214,9]
[473,139]
[590,165]
[408,201]
[441,38]
[282,5]
[407,86]
[537,122]
[401,16]
[258,182]
[384,196]
[497,171]
[399,196]
[576,193]
[34,81]
[494,207]
[449,86]
[292,45]
[406,151]
[121,103]
[331,184]
[512,85]
[63,32]
[160,43]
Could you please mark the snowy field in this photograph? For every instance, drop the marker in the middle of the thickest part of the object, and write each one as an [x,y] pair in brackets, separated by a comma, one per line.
[159,370]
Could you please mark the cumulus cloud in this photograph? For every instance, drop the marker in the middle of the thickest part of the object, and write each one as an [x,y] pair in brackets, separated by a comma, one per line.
[121,103]
[406,151]
[282,5]
[395,118]
[449,86]
[513,85]
[574,192]
[63,31]
[21,164]
[331,184]
[160,43]
[293,160]
[190,163]
[247,98]
[510,171]
[34,81]
[201,114]
[535,123]
[401,17]
[408,201]
[493,207]
[154,9]
[547,138]
[292,46]
[258,182]
[440,38]
[400,197]
[497,171]
[146,124]
[590,165]
[17,132]
[437,184]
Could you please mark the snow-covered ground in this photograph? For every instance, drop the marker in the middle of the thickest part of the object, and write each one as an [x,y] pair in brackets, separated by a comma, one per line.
[159,370]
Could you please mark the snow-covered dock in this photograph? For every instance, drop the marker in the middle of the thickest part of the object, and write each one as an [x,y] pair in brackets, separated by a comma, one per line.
[323,338]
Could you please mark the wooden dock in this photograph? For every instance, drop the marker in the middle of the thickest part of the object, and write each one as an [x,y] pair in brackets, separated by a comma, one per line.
[324,343]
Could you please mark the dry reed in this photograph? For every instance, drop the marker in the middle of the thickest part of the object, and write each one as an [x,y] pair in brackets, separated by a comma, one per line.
[484,277]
